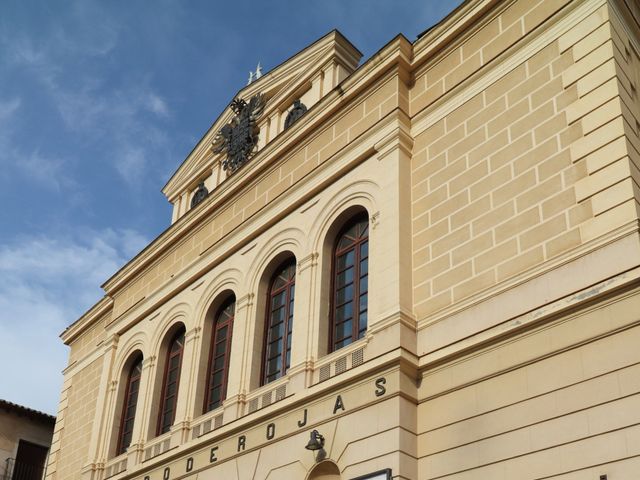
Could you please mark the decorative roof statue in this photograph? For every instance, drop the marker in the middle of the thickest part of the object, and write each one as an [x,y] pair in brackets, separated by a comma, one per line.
[295,113]
[255,75]
[200,195]
[239,137]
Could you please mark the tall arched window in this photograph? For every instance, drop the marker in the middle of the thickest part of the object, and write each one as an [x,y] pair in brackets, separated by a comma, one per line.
[279,322]
[170,382]
[129,405]
[219,350]
[350,283]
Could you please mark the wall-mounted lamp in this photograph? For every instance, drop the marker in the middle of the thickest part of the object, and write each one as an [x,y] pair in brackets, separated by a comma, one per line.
[316,442]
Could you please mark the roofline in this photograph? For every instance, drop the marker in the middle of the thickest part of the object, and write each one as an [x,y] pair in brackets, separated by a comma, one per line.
[26,411]
[448,16]
[237,94]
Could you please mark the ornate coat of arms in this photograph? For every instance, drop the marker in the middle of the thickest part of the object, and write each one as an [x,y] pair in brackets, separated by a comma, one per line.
[239,138]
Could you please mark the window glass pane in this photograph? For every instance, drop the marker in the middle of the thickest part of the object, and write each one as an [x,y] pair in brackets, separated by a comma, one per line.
[364,250]
[273,365]
[221,334]
[220,349]
[277,300]
[364,266]
[345,260]
[276,332]
[344,294]
[343,330]
[362,321]
[344,312]
[364,284]
[217,378]
[218,363]
[363,228]
[344,278]
[363,302]
[274,349]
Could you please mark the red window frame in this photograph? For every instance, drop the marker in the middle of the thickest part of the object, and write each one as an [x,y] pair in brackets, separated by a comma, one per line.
[222,325]
[286,272]
[359,284]
[169,395]
[129,405]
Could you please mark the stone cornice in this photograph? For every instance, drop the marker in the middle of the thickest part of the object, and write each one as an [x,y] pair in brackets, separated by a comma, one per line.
[85,321]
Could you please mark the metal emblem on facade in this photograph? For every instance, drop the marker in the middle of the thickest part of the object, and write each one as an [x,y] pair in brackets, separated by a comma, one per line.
[296,112]
[200,195]
[239,138]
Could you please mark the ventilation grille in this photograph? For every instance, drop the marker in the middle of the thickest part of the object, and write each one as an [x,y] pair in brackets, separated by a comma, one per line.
[116,468]
[268,398]
[281,392]
[217,421]
[325,372]
[157,449]
[341,365]
[206,426]
[357,357]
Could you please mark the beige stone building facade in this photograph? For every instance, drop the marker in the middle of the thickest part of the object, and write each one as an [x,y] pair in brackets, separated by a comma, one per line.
[457,221]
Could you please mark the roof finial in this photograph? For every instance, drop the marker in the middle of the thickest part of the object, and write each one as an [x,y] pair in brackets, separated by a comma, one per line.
[255,75]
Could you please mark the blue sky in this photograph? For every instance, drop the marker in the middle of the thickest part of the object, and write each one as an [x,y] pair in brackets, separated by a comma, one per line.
[100,102]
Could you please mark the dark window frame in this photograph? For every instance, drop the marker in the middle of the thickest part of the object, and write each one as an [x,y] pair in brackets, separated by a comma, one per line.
[335,254]
[215,329]
[290,262]
[122,443]
[161,429]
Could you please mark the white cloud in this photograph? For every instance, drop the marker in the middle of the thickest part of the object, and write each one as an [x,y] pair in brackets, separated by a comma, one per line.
[157,105]
[88,100]
[8,108]
[45,284]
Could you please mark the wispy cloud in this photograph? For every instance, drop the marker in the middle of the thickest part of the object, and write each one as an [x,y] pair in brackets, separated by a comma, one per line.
[92,102]
[8,108]
[45,284]
[43,169]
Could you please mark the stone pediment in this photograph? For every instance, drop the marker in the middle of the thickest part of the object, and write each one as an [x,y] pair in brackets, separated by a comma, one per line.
[307,76]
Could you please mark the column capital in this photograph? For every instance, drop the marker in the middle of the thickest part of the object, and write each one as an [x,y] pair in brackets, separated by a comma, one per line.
[192,334]
[244,301]
[397,139]
[309,261]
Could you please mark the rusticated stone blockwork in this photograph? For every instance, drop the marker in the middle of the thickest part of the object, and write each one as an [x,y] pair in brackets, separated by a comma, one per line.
[486,179]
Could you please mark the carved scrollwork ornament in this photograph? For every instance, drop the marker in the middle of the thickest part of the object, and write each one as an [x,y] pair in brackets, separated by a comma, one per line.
[298,110]
[239,138]
[200,195]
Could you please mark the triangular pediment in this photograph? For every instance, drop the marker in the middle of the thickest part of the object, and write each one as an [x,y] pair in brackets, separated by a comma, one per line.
[309,75]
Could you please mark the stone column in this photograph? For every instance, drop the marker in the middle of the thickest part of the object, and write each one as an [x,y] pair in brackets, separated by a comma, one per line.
[390,236]
[187,387]
[305,324]
[104,414]
[240,360]
[143,421]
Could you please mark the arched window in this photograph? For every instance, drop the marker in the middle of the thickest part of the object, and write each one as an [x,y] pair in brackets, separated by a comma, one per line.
[219,350]
[279,321]
[350,283]
[129,405]
[170,382]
